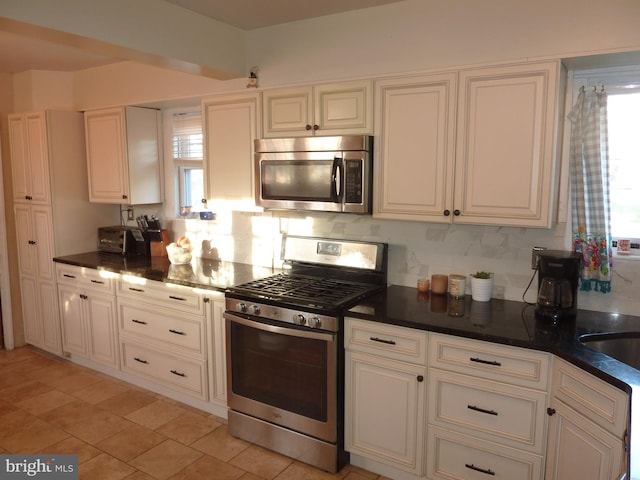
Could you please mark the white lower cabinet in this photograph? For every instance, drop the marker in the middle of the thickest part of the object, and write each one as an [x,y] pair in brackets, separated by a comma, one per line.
[453,455]
[216,348]
[587,427]
[486,410]
[88,314]
[163,335]
[386,401]
[385,394]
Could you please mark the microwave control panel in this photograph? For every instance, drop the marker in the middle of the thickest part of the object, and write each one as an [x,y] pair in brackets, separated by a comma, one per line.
[353,181]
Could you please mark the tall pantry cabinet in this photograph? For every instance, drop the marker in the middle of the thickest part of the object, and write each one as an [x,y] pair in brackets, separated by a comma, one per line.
[52,212]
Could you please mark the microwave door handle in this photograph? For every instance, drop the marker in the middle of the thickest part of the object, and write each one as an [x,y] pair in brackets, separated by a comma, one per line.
[336,178]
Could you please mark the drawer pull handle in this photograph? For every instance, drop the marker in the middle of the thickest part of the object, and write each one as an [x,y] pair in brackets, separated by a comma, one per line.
[98,282]
[382,340]
[136,289]
[177,332]
[140,360]
[68,276]
[180,374]
[141,322]
[486,362]
[482,410]
[488,471]
[173,297]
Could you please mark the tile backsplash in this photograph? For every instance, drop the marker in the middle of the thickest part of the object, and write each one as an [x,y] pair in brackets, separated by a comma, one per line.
[416,250]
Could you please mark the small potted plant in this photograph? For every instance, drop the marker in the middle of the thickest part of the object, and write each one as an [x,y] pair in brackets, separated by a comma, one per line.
[481,286]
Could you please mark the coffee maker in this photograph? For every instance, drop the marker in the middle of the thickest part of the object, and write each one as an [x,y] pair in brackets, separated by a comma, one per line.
[558,276]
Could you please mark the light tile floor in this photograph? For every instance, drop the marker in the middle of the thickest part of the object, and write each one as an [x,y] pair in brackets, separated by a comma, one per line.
[120,431]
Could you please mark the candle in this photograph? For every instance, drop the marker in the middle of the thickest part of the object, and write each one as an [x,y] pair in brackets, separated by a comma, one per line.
[439,284]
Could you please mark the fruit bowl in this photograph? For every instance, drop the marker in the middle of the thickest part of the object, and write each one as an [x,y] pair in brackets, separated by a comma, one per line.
[179,255]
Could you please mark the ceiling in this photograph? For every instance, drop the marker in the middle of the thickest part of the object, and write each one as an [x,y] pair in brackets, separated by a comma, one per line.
[19,53]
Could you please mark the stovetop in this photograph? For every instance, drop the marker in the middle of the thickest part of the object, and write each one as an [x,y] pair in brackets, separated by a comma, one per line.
[305,291]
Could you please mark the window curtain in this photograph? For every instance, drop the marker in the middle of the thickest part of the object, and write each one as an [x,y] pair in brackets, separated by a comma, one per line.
[591,210]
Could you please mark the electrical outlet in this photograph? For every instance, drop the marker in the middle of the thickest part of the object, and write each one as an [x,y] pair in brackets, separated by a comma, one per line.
[535,251]
[129,213]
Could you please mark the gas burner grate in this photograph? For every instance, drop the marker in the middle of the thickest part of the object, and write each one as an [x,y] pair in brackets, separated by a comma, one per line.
[303,289]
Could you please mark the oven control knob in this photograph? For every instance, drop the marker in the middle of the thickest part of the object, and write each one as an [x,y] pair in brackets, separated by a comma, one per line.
[256,309]
[242,307]
[299,319]
[315,322]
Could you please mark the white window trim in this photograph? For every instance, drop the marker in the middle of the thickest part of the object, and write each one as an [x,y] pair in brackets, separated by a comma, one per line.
[172,188]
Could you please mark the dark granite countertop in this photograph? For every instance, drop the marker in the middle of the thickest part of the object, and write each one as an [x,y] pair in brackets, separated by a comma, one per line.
[200,273]
[514,323]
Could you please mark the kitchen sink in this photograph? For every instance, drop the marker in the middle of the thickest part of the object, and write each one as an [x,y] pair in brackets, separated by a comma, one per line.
[623,346]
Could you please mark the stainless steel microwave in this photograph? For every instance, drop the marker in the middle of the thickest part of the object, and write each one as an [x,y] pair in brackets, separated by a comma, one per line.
[331,174]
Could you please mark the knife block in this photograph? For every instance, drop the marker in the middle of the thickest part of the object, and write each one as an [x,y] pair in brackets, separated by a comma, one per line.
[159,248]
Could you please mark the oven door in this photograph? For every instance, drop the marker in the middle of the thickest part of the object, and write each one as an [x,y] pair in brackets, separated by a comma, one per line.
[283,375]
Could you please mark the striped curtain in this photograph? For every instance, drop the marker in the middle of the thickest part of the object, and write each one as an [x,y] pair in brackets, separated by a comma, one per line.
[591,209]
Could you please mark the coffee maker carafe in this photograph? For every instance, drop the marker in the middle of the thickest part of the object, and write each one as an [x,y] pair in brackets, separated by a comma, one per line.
[558,276]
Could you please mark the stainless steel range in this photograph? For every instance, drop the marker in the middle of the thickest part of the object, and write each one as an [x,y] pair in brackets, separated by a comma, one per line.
[285,358]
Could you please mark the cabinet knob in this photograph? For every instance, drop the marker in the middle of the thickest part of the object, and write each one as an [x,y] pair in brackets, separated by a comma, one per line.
[447,213]
[551,411]
[456,212]
[308,127]
[124,197]
[316,127]
[420,378]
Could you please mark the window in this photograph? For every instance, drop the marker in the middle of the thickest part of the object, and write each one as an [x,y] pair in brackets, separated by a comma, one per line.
[187,148]
[624,162]
[622,85]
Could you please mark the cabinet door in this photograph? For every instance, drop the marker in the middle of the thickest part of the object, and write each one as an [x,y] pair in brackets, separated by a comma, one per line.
[19,157]
[25,240]
[384,403]
[288,112]
[578,449]
[43,237]
[106,156]
[100,311]
[414,130]
[36,130]
[217,351]
[71,318]
[231,125]
[506,137]
[30,314]
[343,108]
[49,317]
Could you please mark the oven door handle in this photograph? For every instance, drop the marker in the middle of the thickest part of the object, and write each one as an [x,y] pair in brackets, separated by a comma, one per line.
[292,332]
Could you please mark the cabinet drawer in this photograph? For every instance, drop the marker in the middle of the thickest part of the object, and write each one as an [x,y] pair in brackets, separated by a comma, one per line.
[184,331]
[185,374]
[494,411]
[162,294]
[454,455]
[389,341]
[503,363]
[604,404]
[86,278]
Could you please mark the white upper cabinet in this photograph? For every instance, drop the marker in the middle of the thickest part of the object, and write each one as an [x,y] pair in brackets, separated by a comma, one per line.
[477,146]
[329,109]
[413,153]
[231,124]
[29,157]
[123,155]
[507,138]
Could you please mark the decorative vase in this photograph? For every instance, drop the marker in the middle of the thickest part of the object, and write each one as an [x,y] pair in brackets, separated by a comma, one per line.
[481,288]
